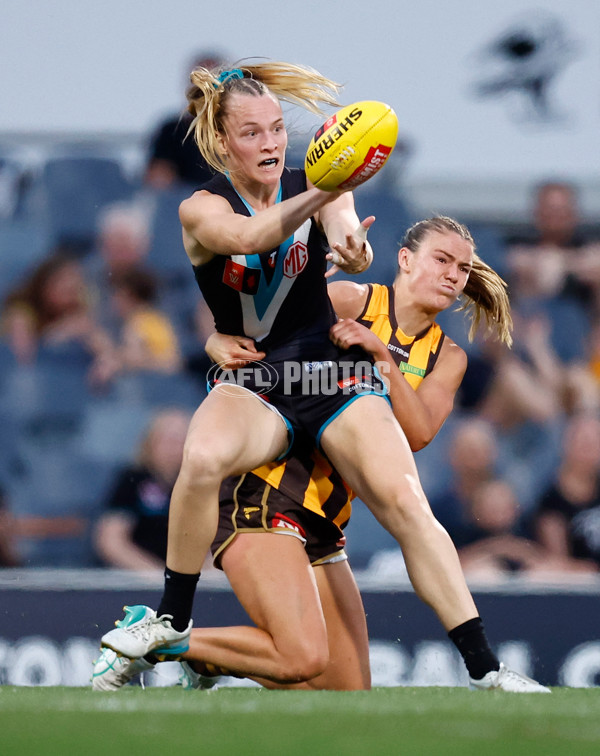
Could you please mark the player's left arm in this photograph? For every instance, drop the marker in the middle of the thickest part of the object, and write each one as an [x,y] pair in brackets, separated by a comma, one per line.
[347,237]
[433,400]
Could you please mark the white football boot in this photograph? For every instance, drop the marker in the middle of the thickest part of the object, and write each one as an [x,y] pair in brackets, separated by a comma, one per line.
[506,679]
[141,632]
[112,671]
[189,679]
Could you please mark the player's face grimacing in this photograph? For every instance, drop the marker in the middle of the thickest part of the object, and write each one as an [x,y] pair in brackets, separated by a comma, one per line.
[439,269]
[256,139]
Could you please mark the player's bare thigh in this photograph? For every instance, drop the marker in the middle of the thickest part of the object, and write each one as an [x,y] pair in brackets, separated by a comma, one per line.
[275,583]
[236,429]
[379,463]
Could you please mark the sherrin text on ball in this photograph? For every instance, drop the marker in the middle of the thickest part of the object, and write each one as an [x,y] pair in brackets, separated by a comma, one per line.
[352,145]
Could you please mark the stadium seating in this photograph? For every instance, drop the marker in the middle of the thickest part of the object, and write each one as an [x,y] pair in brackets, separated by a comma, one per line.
[56,501]
[23,244]
[111,430]
[70,192]
[166,254]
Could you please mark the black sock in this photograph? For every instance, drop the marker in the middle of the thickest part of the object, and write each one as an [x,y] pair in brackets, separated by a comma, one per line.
[470,639]
[178,598]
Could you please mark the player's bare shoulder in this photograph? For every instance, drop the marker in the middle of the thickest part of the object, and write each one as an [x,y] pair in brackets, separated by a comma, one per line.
[348,298]
[452,359]
[196,213]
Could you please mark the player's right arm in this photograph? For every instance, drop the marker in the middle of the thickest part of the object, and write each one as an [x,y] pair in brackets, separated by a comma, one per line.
[211,227]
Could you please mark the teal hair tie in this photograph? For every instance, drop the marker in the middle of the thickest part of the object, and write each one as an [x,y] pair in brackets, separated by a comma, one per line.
[235,73]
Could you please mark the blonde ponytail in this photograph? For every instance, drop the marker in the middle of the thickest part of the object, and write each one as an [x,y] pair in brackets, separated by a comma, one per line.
[485,297]
[210,90]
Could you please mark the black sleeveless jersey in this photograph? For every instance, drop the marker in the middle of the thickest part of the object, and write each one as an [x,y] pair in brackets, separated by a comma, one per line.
[279,297]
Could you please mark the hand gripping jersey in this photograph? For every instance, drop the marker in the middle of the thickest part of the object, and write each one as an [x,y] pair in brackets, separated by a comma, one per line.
[278,297]
[307,477]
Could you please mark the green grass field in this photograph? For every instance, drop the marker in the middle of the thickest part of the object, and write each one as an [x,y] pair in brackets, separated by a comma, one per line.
[172,722]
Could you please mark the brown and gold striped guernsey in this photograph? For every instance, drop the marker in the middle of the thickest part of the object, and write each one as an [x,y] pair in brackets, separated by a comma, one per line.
[415,355]
[307,477]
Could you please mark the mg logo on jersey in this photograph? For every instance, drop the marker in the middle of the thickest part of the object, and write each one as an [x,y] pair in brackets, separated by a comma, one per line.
[295,259]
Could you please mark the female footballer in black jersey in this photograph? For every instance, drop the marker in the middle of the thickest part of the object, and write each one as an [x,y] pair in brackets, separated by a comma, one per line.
[257,237]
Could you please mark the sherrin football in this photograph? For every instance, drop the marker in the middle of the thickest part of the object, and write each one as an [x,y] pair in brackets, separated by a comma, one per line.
[351,146]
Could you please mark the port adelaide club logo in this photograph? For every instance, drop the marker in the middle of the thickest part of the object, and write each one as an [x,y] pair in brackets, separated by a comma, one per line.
[521,67]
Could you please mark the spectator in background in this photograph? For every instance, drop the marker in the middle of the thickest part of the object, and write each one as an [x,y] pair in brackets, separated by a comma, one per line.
[589,372]
[132,532]
[173,158]
[492,542]
[53,307]
[555,272]
[472,457]
[525,393]
[123,248]
[527,382]
[556,260]
[567,520]
[8,538]
[148,340]
[123,243]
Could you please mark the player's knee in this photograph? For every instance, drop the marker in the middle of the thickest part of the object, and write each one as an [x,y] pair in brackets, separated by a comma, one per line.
[305,662]
[406,510]
[202,463]
[308,664]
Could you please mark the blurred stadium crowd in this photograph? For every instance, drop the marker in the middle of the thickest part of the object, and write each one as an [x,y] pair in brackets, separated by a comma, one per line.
[102,362]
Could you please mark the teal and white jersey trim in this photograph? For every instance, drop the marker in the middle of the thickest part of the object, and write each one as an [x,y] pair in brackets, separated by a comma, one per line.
[260,310]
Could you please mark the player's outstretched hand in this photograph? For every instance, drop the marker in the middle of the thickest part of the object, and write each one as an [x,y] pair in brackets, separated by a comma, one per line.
[356,255]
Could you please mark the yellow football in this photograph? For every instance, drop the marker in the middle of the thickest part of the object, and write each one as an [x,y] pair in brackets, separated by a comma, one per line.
[351,146]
